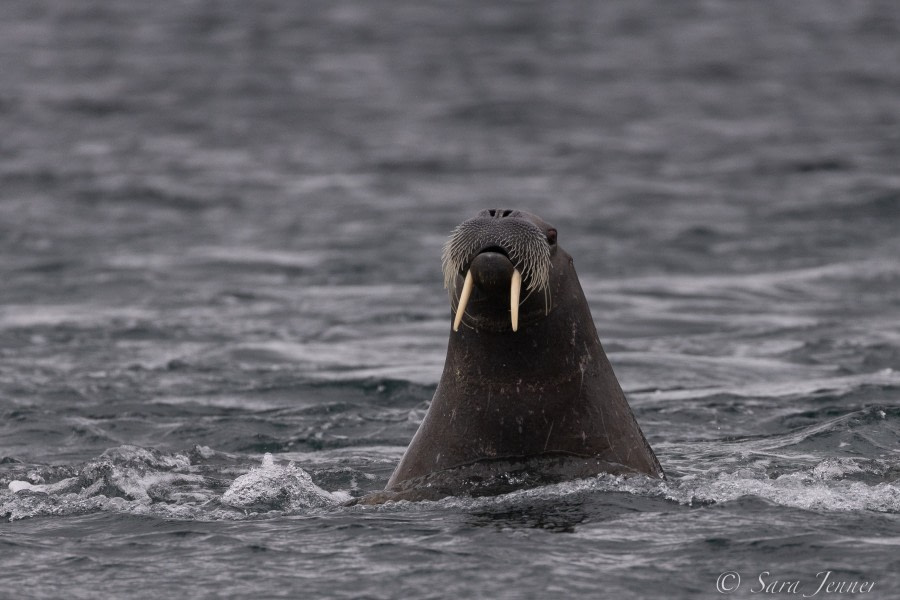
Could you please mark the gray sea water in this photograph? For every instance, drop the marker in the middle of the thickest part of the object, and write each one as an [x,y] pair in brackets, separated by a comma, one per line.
[220,232]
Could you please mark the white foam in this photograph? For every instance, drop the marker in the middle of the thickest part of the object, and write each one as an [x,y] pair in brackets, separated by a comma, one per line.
[18,486]
[275,487]
[797,490]
[822,487]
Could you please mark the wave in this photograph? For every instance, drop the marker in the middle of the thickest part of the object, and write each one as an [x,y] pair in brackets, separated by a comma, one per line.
[203,484]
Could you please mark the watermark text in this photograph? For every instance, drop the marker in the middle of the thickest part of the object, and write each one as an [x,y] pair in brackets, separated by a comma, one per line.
[825,584]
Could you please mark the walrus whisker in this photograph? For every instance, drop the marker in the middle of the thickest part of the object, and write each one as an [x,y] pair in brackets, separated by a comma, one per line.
[463,299]
[524,244]
[515,290]
[527,296]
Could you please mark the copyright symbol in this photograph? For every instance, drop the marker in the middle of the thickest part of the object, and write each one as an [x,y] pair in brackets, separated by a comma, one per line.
[728,582]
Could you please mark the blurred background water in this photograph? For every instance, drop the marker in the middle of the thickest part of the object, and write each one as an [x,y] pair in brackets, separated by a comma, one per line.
[220,229]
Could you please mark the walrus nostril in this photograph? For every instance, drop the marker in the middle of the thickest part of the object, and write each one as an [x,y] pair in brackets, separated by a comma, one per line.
[498,213]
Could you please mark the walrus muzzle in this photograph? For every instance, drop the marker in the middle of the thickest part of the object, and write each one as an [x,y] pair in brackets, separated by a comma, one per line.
[495,246]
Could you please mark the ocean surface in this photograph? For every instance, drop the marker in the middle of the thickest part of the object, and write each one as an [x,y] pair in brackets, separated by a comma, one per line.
[221,305]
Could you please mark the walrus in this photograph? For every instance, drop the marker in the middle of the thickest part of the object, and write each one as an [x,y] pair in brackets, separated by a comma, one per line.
[527,396]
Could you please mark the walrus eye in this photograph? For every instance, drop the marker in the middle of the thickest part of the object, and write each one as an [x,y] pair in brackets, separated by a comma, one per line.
[551,236]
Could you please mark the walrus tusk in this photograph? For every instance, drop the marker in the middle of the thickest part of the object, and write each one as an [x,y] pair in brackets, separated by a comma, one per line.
[463,300]
[515,289]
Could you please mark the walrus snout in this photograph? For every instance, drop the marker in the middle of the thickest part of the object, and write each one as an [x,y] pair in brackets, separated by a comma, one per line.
[492,273]
[491,276]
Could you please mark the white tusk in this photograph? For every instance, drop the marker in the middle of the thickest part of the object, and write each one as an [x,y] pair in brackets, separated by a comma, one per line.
[463,300]
[515,291]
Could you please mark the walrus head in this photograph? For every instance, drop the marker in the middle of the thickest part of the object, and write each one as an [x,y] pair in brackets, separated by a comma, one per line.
[497,252]
[526,389]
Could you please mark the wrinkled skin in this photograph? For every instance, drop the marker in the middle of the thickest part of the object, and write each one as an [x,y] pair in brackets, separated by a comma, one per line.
[541,401]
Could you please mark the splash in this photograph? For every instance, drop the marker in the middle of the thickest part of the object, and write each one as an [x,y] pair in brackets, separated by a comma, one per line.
[133,480]
[833,484]
[274,487]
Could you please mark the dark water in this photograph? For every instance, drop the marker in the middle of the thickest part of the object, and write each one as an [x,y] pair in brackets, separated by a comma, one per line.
[220,226]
